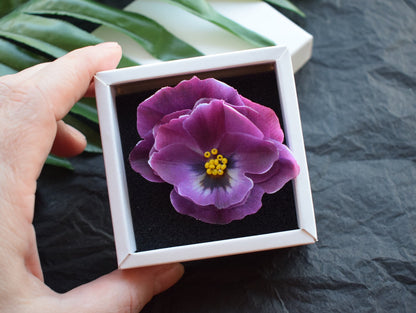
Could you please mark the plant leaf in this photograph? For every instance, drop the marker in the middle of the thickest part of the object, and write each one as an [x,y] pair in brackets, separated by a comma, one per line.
[6,6]
[150,35]
[50,36]
[18,58]
[86,107]
[6,70]
[204,10]
[60,162]
[287,5]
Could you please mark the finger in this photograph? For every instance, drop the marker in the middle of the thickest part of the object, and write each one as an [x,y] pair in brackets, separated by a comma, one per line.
[64,81]
[90,91]
[68,141]
[32,260]
[23,75]
[122,291]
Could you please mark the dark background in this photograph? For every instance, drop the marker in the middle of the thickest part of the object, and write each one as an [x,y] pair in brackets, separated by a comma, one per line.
[358,106]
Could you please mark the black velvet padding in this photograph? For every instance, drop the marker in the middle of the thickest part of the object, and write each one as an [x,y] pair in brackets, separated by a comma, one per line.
[156,223]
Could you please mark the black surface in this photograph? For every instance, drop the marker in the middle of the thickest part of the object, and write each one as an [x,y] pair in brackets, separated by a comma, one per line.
[357,101]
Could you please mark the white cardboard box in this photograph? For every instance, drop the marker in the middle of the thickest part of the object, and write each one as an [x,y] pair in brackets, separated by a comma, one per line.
[211,39]
[109,83]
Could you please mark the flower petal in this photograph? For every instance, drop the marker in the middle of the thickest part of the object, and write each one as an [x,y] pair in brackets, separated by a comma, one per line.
[221,194]
[250,154]
[213,215]
[169,117]
[174,133]
[285,169]
[182,96]
[265,119]
[182,167]
[139,158]
[208,122]
[175,163]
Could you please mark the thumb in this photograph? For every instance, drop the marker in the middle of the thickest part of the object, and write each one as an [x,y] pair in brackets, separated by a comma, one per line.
[122,291]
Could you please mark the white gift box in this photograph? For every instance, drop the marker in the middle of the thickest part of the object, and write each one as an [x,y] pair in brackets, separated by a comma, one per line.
[133,237]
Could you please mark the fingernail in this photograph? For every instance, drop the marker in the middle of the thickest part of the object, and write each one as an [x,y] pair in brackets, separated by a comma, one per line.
[109,44]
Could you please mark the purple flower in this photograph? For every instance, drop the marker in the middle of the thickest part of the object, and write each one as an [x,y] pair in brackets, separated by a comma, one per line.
[219,150]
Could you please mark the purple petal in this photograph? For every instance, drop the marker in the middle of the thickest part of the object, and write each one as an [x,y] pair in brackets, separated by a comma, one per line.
[210,121]
[250,154]
[139,160]
[213,215]
[224,195]
[175,163]
[285,169]
[174,133]
[168,118]
[181,97]
[265,119]
[184,168]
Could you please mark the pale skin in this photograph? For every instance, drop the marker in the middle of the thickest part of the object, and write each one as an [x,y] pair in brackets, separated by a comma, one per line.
[32,104]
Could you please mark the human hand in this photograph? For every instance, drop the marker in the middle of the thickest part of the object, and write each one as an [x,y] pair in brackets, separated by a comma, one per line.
[32,104]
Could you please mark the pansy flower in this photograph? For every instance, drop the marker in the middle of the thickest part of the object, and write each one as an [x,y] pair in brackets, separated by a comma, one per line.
[219,150]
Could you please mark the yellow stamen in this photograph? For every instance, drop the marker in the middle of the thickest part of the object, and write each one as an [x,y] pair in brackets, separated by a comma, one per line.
[216,163]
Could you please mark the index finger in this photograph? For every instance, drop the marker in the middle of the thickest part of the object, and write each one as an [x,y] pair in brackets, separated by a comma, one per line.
[63,82]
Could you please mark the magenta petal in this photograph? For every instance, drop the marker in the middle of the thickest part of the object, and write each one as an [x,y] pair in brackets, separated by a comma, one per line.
[213,215]
[174,133]
[139,160]
[168,118]
[175,163]
[181,97]
[250,154]
[233,191]
[210,121]
[184,168]
[285,169]
[265,119]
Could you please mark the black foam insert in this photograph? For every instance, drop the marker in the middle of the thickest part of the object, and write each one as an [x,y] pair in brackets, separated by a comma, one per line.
[155,221]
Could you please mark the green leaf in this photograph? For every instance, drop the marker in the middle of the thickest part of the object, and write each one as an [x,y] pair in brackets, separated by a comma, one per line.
[126,62]
[86,107]
[204,10]
[60,162]
[90,130]
[287,5]
[6,6]
[152,36]
[5,70]
[18,57]
[50,36]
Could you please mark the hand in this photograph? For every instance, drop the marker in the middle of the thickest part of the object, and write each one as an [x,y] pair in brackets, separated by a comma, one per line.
[32,104]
